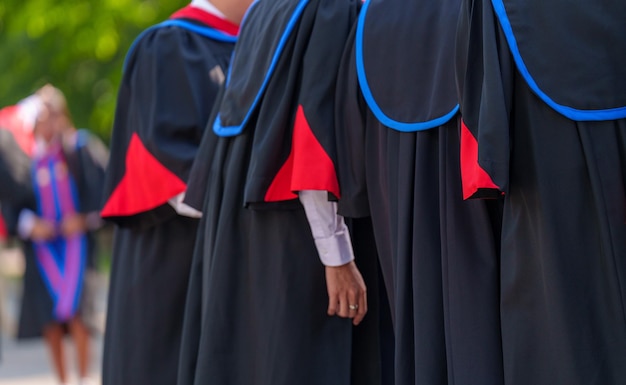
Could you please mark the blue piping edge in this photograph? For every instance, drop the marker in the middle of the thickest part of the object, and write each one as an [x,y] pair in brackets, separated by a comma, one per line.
[205,31]
[568,112]
[369,98]
[236,130]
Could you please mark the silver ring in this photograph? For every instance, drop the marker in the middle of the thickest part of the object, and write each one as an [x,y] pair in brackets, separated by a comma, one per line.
[353,307]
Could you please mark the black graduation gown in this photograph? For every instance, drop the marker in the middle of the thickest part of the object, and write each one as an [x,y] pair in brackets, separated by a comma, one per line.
[171,77]
[543,102]
[398,145]
[256,311]
[86,161]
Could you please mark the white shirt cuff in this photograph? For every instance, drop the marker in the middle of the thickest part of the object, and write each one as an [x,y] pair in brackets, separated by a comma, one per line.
[328,228]
[182,208]
[26,223]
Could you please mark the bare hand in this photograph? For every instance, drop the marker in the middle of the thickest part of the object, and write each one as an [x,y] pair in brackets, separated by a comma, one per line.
[347,295]
[43,230]
[73,224]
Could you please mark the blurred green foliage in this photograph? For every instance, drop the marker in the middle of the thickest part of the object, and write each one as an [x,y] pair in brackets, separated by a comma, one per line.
[77,45]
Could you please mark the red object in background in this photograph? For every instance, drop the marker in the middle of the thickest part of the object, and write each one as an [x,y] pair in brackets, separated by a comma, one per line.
[17,122]
[4,233]
[13,120]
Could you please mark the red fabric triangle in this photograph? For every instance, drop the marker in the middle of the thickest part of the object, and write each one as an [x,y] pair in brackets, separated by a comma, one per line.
[4,233]
[308,166]
[147,184]
[194,13]
[474,177]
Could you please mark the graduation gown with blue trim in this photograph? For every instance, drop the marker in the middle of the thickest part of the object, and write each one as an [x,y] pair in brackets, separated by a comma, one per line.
[256,311]
[398,144]
[171,78]
[544,108]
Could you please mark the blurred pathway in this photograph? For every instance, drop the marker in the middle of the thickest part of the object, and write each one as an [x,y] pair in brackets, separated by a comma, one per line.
[27,362]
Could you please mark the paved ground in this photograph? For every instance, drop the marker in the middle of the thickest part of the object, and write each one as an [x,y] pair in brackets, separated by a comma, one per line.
[27,363]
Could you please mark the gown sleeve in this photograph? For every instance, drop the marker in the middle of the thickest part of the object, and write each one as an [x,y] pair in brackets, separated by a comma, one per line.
[485,73]
[91,160]
[163,106]
[201,167]
[350,138]
[312,162]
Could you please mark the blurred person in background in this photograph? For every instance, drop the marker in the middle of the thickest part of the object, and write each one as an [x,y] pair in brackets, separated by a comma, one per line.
[56,225]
